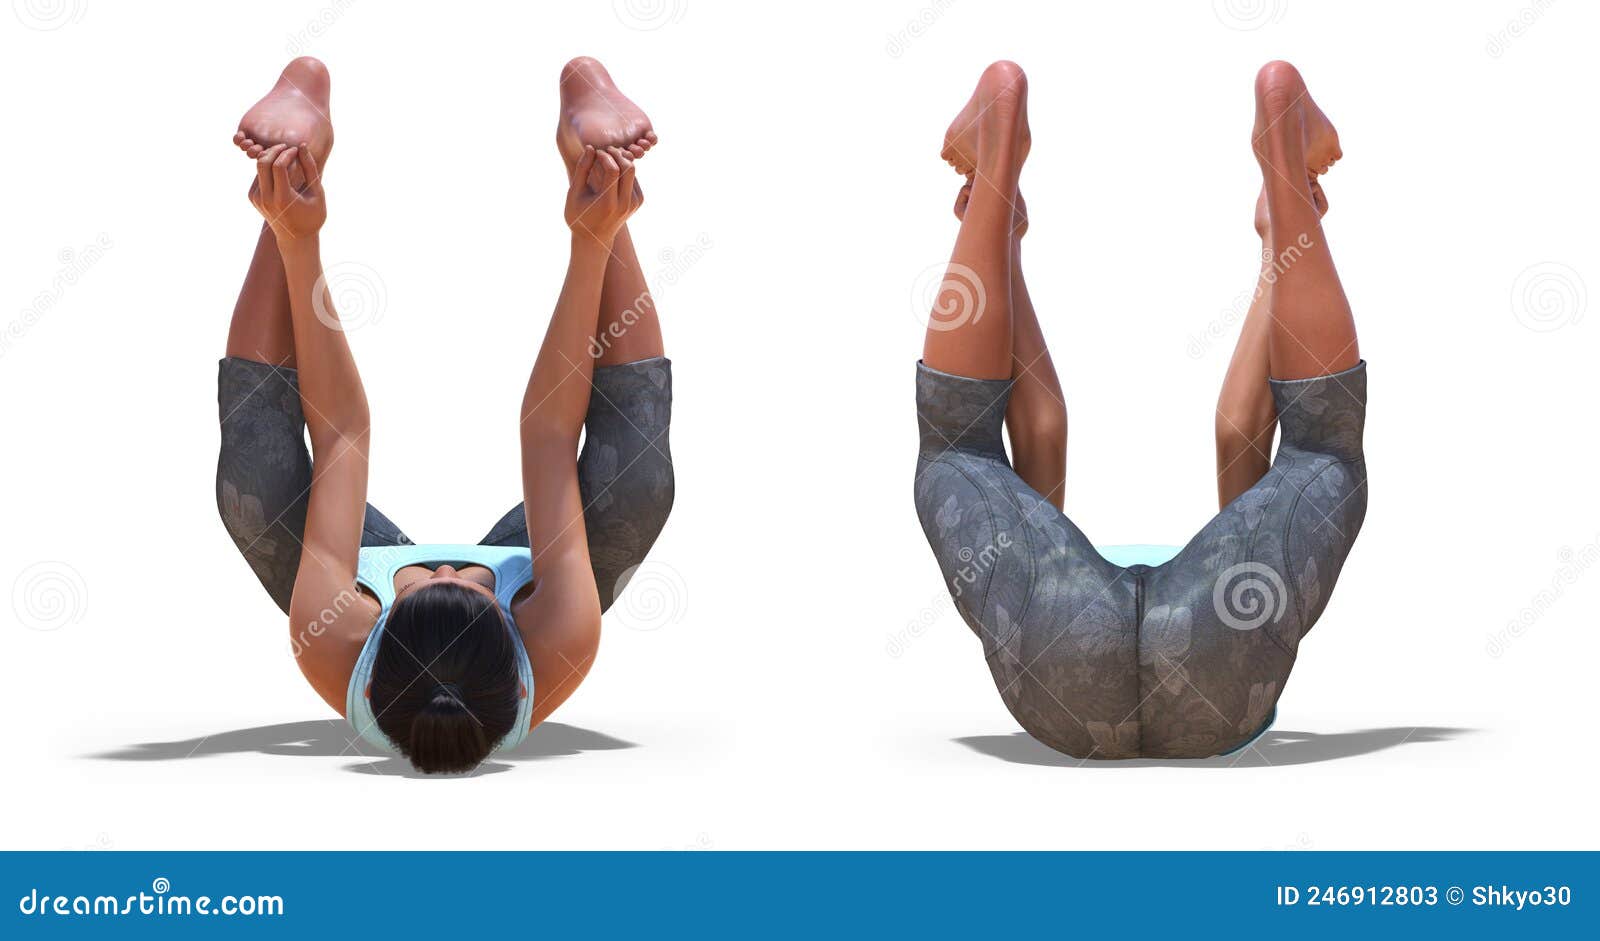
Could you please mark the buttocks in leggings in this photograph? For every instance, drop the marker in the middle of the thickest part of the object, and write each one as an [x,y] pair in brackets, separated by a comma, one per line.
[264,473]
[1183,660]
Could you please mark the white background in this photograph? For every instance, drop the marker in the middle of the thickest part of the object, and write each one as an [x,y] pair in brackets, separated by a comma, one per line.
[807,682]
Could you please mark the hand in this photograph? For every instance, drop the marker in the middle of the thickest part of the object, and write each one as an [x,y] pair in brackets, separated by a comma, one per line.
[600,208]
[291,212]
[1019,215]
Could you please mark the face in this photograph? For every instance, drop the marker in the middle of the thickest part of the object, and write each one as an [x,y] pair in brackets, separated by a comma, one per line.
[446,575]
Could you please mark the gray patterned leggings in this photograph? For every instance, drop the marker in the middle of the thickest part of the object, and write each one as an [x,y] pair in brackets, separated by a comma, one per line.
[264,473]
[1183,660]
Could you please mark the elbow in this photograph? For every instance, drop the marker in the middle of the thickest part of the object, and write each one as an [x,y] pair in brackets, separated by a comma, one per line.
[352,436]
[543,431]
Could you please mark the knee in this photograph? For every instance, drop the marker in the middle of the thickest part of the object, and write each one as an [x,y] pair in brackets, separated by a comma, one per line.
[1039,430]
[1241,426]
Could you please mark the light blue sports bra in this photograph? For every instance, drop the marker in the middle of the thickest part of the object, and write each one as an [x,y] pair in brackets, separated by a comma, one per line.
[513,568]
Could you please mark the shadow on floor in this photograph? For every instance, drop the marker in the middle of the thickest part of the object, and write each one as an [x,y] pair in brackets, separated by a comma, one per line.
[334,738]
[1273,749]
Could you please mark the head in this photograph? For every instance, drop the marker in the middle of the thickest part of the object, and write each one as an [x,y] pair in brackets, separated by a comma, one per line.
[445,687]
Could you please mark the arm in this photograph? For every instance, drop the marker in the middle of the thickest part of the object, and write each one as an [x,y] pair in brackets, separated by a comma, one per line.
[335,407]
[560,621]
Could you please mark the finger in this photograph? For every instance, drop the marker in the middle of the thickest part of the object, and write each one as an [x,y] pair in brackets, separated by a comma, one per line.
[308,166]
[626,185]
[585,164]
[609,170]
[623,158]
[264,171]
[280,171]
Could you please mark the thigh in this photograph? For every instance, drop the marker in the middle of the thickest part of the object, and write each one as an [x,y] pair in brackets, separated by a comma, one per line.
[263,470]
[1258,576]
[625,471]
[264,474]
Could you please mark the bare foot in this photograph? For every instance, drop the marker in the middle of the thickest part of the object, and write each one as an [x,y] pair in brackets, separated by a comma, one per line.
[295,111]
[998,105]
[1281,95]
[595,114]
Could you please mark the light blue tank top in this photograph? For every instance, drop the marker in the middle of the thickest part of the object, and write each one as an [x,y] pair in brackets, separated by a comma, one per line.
[513,568]
[1137,554]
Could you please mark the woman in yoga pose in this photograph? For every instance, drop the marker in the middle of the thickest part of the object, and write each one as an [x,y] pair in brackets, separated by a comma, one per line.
[1181,656]
[444,652]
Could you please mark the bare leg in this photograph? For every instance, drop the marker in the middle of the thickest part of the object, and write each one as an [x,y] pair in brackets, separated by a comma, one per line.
[1246,418]
[294,110]
[970,330]
[261,328]
[629,329]
[1312,332]
[1036,416]
[595,113]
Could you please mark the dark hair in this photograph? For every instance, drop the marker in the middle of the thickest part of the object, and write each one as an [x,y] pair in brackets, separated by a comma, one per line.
[445,687]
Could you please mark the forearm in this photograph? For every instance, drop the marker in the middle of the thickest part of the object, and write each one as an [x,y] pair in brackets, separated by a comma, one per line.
[557,397]
[330,385]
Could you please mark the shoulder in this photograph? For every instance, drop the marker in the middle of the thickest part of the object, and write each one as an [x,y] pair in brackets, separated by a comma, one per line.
[563,603]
